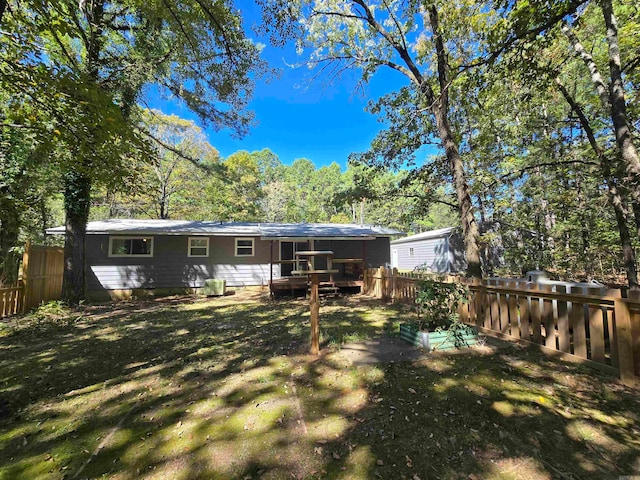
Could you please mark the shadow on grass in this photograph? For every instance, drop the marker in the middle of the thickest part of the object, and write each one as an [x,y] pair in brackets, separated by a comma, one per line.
[224,389]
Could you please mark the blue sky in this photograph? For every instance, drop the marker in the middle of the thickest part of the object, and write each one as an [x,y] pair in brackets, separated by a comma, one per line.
[300,118]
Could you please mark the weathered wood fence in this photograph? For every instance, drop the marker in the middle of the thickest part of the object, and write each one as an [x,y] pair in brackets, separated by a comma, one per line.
[600,329]
[41,280]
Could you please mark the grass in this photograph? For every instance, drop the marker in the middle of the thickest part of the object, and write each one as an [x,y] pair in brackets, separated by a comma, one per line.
[223,388]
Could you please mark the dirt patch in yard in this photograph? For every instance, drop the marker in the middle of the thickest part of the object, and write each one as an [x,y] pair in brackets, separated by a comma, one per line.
[379,350]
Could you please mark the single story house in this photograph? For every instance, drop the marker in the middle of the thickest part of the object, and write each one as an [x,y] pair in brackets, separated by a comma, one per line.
[124,256]
[440,251]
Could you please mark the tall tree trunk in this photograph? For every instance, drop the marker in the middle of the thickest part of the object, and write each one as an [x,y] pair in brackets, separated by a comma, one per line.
[3,8]
[9,231]
[465,206]
[77,200]
[439,106]
[624,138]
[440,110]
[77,181]
[613,102]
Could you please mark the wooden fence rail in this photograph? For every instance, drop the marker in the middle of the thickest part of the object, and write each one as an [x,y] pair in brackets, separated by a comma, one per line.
[11,300]
[41,280]
[602,330]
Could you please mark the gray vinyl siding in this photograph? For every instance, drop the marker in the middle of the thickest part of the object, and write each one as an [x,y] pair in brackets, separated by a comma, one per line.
[456,254]
[441,254]
[432,253]
[170,267]
[376,252]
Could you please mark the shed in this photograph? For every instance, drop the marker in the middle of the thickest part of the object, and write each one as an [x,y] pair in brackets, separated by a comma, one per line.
[440,251]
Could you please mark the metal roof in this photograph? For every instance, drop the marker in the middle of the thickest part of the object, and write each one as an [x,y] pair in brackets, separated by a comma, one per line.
[442,232]
[264,230]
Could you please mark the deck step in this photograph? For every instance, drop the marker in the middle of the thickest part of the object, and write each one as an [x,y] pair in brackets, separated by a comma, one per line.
[325,288]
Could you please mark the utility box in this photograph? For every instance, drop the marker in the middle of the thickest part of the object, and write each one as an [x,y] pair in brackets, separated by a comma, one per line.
[214,287]
[536,276]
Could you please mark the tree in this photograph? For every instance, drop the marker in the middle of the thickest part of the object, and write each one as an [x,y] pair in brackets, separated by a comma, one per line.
[24,188]
[612,98]
[101,55]
[545,68]
[368,35]
[182,158]
[236,194]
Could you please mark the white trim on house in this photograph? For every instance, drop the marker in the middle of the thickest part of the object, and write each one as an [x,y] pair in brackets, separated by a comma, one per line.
[268,231]
[252,247]
[190,246]
[425,235]
[130,255]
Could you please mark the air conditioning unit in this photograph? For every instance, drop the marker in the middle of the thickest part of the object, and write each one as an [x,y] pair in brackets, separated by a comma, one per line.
[214,286]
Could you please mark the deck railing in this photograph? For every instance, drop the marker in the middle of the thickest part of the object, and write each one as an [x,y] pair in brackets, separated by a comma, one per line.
[600,329]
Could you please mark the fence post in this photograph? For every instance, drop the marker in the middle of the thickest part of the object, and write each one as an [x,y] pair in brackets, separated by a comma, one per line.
[25,276]
[381,274]
[624,341]
[480,303]
[394,283]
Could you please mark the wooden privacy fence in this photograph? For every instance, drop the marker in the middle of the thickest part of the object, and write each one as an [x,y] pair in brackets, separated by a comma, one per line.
[41,280]
[603,330]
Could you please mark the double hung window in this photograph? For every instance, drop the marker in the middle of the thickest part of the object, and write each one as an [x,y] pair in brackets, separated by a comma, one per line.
[131,246]
[198,247]
[244,247]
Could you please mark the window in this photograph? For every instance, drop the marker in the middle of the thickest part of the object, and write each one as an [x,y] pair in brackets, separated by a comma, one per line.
[131,246]
[411,251]
[198,247]
[244,247]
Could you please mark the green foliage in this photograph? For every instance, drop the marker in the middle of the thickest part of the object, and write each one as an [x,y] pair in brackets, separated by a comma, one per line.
[437,304]
[50,315]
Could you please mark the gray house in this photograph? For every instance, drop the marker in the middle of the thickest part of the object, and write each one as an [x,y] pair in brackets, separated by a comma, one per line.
[440,251]
[125,257]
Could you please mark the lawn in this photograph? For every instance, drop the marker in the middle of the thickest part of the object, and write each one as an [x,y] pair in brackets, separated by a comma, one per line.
[181,388]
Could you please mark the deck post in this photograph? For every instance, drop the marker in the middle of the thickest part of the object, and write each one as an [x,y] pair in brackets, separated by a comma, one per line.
[271,268]
[314,307]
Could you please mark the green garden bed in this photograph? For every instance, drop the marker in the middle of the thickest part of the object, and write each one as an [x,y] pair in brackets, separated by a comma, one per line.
[437,341]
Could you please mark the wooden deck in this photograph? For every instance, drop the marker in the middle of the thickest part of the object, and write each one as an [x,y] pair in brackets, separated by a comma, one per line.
[302,283]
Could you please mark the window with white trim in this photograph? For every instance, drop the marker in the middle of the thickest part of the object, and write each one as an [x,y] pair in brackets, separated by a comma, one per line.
[131,246]
[411,251]
[198,247]
[244,247]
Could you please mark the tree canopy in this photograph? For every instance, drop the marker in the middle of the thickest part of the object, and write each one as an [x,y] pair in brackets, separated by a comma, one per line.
[531,107]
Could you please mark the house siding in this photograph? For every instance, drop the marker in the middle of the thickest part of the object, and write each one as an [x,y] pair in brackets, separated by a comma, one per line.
[171,267]
[376,252]
[441,254]
[432,253]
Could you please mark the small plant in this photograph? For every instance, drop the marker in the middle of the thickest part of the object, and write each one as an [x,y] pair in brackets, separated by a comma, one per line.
[437,304]
[55,312]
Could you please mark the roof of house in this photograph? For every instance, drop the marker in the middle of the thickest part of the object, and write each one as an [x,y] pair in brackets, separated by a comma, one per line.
[264,230]
[443,232]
